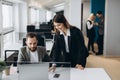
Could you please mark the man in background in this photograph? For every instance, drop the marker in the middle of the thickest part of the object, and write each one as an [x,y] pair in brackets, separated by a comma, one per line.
[100,32]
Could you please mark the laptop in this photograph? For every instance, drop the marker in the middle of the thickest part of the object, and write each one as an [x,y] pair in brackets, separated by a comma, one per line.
[33,71]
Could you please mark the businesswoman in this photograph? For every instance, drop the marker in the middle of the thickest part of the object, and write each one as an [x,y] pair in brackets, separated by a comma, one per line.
[68,43]
[90,31]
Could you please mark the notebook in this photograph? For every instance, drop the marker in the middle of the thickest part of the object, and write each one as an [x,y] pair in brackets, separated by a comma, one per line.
[33,71]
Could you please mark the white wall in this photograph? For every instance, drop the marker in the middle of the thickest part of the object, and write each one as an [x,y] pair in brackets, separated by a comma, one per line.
[86,12]
[75,13]
[112,28]
[67,9]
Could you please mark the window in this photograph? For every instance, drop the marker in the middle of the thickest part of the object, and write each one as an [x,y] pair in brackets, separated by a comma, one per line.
[37,16]
[8,38]
[7,19]
[7,13]
[49,16]
[34,15]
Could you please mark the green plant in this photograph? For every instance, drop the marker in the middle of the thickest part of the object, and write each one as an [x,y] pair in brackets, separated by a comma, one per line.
[2,65]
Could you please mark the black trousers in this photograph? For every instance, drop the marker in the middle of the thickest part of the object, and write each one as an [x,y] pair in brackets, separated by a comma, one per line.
[100,44]
[91,43]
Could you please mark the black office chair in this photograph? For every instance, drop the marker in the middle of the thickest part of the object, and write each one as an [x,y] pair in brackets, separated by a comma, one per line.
[12,59]
[30,28]
[24,43]
[41,40]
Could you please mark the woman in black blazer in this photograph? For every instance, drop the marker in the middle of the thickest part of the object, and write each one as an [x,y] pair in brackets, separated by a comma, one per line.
[68,43]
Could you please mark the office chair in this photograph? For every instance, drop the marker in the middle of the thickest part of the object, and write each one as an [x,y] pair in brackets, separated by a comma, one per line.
[12,59]
[30,28]
[41,40]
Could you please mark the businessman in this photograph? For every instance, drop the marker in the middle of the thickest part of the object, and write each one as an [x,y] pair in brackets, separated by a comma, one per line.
[32,53]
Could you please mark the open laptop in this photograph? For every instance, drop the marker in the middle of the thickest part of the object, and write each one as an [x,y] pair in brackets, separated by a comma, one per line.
[33,71]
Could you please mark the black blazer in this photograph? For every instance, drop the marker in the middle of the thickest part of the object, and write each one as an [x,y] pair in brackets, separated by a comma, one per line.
[77,49]
[90,32]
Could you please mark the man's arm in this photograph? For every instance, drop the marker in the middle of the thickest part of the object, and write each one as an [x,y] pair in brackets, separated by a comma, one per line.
[20,56]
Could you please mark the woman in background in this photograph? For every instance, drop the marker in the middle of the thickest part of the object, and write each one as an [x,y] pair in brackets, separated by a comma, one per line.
[90,31]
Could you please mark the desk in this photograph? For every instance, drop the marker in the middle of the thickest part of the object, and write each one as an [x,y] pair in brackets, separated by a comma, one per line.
[86,74]
[13,74]
[75,74]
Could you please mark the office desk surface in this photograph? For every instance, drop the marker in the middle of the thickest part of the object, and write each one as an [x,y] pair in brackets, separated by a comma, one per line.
[89,74]
[13,74]
[75,74]
[70,73]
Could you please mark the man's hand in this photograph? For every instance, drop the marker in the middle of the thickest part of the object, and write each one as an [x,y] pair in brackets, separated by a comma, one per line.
[79,66]
[95,23]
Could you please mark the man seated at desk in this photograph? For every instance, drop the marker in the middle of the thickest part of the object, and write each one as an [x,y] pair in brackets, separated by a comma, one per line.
[32,53]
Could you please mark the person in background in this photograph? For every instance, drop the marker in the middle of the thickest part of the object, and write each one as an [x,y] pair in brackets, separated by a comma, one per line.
[32,53]
[69,43]
[50,23]
[100,32]
[91,32]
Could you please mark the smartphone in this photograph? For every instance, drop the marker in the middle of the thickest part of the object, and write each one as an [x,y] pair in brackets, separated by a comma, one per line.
[56,75]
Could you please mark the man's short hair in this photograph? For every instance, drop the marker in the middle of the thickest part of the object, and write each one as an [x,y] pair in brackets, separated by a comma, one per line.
[99,12]
[31,35]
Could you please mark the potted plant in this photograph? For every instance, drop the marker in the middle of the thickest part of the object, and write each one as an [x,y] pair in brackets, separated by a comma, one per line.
[2,67]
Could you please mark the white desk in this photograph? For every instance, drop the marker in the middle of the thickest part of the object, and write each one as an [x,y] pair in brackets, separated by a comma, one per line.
[75,74]
[86,74]
[13,74]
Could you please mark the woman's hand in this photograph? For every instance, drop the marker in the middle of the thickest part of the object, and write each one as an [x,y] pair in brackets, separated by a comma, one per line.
[52,69]
[79,66]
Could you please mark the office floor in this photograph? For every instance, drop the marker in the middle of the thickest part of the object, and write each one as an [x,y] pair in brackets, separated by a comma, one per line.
[111,65]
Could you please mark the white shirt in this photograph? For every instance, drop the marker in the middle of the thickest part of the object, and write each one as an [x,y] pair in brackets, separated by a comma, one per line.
[34,57]
[66,39]
[89,25]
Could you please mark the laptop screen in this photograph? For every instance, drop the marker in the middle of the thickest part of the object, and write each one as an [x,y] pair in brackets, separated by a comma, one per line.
[33,71]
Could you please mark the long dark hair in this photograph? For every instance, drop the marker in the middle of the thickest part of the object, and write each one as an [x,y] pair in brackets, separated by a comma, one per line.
[60,18]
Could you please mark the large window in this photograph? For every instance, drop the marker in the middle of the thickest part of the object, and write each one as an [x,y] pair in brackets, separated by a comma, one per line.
[49,16]
[8,39]
[7,19]
[7,13]
[34,15]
